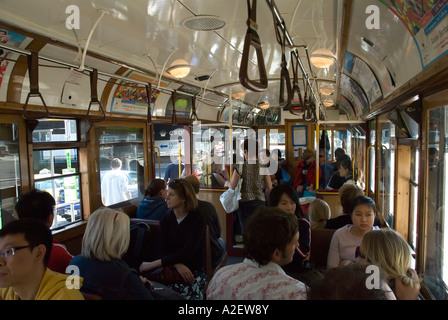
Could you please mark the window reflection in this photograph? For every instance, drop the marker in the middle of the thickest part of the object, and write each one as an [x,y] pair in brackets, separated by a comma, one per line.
[56,170]
[436,267]
[9,171]
[121,164]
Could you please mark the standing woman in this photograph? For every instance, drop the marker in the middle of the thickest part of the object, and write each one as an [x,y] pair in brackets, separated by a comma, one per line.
[252,194]
[389,251]
[183,236]
[345,240]
[286,198]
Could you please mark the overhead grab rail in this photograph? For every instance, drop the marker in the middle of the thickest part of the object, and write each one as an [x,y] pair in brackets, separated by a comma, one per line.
[253,40]
[111,76]
[280,32]
[33,70]
[94,98]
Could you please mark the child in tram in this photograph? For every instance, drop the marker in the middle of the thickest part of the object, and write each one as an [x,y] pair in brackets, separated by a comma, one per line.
[346,239]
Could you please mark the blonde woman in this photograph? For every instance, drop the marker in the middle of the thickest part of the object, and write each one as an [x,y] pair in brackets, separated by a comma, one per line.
[319,212]
[105,274]
[388,250]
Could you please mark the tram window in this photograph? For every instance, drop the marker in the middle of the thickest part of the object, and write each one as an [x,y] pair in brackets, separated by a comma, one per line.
[209,150]
[371,154]
[277,140]
[56,169]
[121,164]
[412,238]
[53,130]
[436,266]
[387,172]
[169,143]
[9,171]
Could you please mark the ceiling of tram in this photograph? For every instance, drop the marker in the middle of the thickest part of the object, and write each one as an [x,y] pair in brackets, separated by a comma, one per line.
[150,34]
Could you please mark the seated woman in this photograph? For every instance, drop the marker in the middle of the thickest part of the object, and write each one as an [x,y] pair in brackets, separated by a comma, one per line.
[105,274]
[286,198]
[387,249]
[343,175]
[153,206]
[183,233]
[345,240]
[319,212]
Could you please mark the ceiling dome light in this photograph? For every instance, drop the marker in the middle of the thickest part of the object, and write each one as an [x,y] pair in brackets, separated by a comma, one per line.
[322,58]
[238,94]
[328,102]
[264,105]
[326,89]
[179,68]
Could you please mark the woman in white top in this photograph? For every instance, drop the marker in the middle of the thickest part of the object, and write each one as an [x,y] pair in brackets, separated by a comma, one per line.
[346,239]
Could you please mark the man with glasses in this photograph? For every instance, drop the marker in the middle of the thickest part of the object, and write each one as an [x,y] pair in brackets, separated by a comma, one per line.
[25,247]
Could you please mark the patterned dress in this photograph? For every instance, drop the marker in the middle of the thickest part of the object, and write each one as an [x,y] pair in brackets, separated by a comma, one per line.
[249,280]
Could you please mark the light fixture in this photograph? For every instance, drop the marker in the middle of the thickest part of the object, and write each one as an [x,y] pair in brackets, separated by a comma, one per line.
[179,68]
[264,105]
[326,89]
[322,58]
[328,102]
[238,94]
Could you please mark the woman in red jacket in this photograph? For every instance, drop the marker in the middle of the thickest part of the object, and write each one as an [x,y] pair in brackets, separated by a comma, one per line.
[306,172]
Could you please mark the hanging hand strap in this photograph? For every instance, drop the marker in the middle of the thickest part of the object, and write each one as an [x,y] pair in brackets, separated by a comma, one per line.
[149,95]
[173,116]
[252,39]
[296,105]
[280,33]
[33,72]
[194,116]
[94,98]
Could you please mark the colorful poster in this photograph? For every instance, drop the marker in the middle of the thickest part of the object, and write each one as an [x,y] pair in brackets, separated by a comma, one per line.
[13,40]
[427,22]
[131,98]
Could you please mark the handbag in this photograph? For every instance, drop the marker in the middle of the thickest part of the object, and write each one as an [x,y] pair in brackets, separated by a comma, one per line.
[166,275]
[231,197]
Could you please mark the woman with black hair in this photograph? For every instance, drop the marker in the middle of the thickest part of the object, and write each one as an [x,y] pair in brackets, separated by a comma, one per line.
[286,198]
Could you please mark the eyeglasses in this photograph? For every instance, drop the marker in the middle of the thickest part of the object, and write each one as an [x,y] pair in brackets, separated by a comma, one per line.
[11,251]
[358,254]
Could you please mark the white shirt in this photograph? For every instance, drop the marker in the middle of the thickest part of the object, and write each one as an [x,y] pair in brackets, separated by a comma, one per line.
[343,247]
[114,187]
[249,280]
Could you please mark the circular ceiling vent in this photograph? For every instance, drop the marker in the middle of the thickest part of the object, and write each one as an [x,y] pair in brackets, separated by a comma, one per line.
[204,23]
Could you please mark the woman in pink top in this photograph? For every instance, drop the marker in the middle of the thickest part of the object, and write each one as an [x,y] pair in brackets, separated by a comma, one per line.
[346,239]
